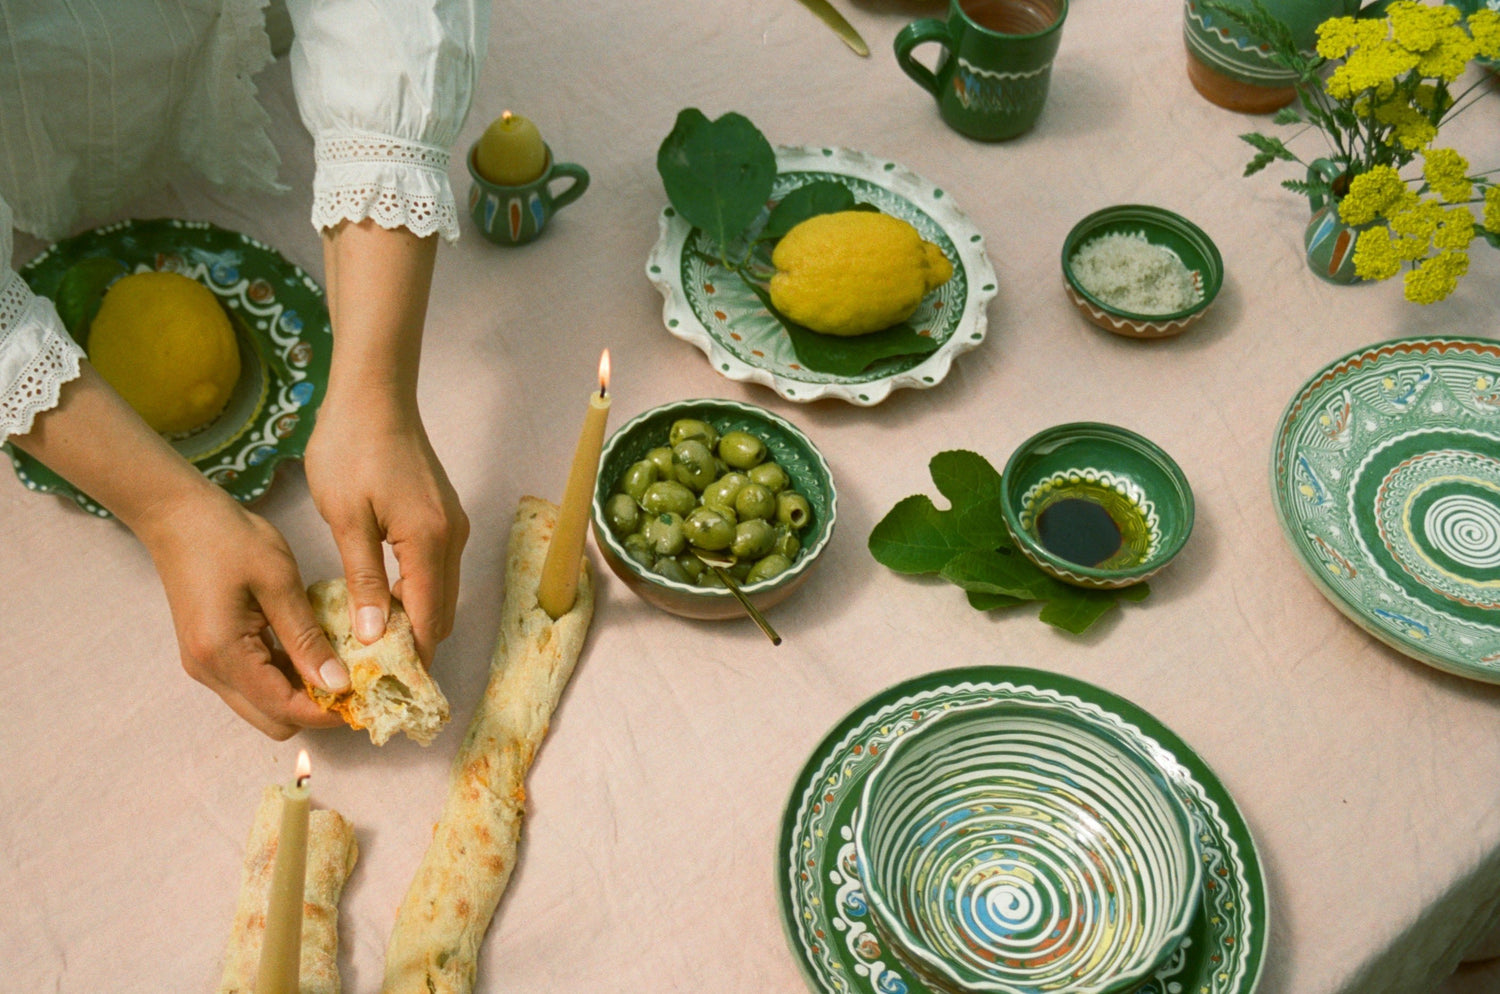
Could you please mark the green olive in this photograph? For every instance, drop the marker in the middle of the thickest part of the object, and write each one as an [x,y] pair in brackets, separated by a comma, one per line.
[692,566]
[786,543]
[622,514]
[706,528]
[664,534]
[753,539]
[662,457]
[754,501]
[694,464]
[709,578]
[671,569]
[637,548]
[793,510]
[742,450]
[740,570]
[770,566]
[771,476]
[723,490]
[686,428]
[668,496]
[728,512]
[638,477]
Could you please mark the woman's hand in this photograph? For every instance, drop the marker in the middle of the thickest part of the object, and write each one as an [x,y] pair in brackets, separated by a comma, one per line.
[374,478]
[371,469]
[231,581]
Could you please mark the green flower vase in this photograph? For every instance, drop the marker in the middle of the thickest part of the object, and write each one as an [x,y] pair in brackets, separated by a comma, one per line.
[1328,240]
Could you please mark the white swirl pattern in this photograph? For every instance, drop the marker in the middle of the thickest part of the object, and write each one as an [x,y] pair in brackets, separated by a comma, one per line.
[1007,851]
[1465,529]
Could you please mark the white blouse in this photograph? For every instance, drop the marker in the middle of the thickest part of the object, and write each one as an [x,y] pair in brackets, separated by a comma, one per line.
[110,98]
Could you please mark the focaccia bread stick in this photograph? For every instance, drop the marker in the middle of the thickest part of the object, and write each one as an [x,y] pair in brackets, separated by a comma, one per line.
[331,853]
[434,947]
[390,690]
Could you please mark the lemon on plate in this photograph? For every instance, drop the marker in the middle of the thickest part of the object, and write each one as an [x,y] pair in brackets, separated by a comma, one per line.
[163,341]
[854,272]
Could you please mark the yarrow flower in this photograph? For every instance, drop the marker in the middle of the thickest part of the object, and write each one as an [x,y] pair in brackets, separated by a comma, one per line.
[1492,209]
[1375,256]
[1418,28]
[1447,173]
[1437,277]
[1337,35]
[1484,28]
[1371,67]
[1371,194]
[1409,126]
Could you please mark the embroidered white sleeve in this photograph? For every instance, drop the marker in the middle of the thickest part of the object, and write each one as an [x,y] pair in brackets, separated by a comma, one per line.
[36,355]
[396,182]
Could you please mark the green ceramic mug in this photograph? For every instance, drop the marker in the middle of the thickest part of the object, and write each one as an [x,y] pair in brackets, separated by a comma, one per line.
[991,81]
[515,215]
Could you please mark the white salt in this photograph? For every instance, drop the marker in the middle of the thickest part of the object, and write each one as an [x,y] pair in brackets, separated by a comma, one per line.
[1130,274]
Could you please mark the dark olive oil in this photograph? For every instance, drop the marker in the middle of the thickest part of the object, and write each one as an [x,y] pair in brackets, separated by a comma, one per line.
[1078,530]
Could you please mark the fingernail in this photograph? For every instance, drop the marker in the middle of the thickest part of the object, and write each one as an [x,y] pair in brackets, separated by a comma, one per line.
[334,676]
[370,622]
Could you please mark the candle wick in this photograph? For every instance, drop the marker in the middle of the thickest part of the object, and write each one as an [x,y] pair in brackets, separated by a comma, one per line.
[302,780]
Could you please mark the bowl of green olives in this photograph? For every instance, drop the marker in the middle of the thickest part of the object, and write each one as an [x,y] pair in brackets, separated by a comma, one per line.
[714,480]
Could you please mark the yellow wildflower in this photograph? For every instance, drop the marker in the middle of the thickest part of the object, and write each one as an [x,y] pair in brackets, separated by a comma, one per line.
[1428,97]
[1452,54]
[1374,256]
[1492,209]
[1435,279]
[1372,194]
[1337,35]
[1455,230]
[1418,28]
[1375,67]
[1418,220]
[1484,26]
[1447,173]
[1409,126]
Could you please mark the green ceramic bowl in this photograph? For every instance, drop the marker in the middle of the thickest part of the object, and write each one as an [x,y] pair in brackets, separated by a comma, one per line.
[787,445]
[1159,227]
[1096,505]
[1009,849]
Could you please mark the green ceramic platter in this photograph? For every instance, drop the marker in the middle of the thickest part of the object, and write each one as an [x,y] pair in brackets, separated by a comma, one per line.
[1386,477]
[824,909]
[711,307]
[285,345]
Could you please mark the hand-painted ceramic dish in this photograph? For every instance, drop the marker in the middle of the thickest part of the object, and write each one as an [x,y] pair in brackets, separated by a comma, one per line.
[1096,505]
[787,446]
[1386,477]
[1010,848]
[1160,227]
[826,908]
[284,336]
[711,307]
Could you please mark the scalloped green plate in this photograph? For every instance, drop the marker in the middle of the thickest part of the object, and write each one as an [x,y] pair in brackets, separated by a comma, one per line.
[709,306]
[824,908]
[278,313]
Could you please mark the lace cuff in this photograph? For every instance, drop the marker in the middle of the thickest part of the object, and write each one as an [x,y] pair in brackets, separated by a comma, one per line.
[36,356]
[398,183]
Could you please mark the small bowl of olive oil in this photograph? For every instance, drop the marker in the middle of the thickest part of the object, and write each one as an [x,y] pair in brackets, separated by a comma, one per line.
[1096,505]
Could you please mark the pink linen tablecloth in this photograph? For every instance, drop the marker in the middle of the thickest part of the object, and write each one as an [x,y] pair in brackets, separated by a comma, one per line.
[1369,780]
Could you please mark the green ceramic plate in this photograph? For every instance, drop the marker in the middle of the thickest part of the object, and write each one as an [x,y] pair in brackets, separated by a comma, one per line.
[285,346]
[1386,476]
[711,307]
[824,909]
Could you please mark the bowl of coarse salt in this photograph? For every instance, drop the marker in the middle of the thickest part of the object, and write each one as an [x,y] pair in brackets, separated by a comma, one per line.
[1141,271]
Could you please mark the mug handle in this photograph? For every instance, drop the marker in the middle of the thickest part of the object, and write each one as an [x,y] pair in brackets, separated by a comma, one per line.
[1322,169]
[920,33]
[573,171]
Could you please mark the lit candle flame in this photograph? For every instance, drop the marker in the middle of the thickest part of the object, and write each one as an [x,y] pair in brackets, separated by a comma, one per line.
[604,372]
[304,768]
[506,115]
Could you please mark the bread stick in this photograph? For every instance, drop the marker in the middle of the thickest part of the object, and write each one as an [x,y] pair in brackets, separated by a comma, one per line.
[434,947]
[331,853]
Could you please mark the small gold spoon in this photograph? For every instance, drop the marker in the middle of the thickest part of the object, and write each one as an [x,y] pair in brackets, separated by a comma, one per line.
[718,563]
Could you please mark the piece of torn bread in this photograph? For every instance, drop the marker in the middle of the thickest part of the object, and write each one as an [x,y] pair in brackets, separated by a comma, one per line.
[331,853]
[390,690]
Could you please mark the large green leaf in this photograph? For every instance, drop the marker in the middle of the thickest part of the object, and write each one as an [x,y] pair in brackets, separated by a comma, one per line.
[718,174]
[915,537]
[824,196]
[81,291]
[840,355]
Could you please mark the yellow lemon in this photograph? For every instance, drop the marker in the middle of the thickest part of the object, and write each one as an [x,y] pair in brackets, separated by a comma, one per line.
[854,272]
[164,343]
